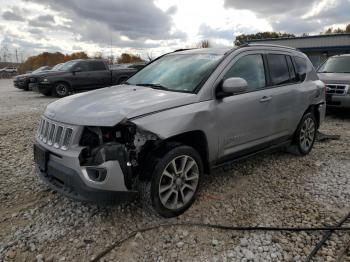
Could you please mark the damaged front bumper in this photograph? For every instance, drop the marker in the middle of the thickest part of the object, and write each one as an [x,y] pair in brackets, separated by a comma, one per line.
[63,172]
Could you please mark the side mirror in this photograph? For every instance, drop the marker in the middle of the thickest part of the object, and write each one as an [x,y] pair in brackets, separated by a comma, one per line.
[232,86]
[300,77]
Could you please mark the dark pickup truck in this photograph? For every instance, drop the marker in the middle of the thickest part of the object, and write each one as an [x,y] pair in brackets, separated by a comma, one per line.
[22,81]
[82,74]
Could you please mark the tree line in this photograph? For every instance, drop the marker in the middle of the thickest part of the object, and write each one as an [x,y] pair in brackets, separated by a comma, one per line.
[52,59]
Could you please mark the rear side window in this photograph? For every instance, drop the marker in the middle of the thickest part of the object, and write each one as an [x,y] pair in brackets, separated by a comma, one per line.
[251,69]
[97,66]
[301,67]
[279,70]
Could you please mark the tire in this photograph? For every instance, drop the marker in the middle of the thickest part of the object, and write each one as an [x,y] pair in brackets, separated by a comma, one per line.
[171,191]
[305,135]
[61,90]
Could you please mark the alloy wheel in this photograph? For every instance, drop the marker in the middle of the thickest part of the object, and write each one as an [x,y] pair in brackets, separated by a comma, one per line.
[307,134]
[178,182]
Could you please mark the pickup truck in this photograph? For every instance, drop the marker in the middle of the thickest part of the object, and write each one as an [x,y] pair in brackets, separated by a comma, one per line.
[22,81]
[82,74]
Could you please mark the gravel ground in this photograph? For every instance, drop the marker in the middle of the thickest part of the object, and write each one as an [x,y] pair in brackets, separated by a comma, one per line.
[275,189]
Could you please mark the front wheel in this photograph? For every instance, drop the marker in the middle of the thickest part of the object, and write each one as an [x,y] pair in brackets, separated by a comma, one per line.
[175,181]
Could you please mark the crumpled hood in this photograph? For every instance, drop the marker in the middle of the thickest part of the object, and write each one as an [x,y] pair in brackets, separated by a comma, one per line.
[109,106]
[335,78]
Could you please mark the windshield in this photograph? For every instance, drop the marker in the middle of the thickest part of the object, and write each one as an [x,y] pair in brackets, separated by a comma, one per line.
[336,65]
[57,67]
[40,69]
[176,72]
[68,65]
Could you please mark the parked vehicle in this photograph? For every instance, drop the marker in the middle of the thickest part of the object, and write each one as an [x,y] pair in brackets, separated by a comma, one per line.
[335,73]
[8,71]
[33,79]
[81,74]
[22,81]
[179,117]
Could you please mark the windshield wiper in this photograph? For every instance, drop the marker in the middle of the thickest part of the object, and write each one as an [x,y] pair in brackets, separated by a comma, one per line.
[155,86]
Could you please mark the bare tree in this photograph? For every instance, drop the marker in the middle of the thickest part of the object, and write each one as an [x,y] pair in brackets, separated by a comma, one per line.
[150,56]
[204,44]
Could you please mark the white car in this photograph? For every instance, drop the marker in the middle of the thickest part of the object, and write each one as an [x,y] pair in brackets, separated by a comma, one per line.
[9,69]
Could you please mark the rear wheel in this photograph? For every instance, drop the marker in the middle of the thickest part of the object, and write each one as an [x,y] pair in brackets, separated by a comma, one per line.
[175,181]
[305,135]
[61,90]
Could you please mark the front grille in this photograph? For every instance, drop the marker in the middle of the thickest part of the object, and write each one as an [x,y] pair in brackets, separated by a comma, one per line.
[335,89]
[32,80]
[54,134]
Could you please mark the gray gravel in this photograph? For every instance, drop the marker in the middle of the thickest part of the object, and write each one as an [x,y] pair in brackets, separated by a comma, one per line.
[276,189]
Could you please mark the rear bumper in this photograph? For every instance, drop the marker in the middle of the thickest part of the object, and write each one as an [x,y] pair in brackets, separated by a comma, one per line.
[65,175]
[339,101]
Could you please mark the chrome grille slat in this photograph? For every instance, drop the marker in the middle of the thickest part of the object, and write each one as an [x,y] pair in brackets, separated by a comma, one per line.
[55,134]
[337,89]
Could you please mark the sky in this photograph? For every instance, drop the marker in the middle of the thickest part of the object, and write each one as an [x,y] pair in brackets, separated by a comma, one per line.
[154,27]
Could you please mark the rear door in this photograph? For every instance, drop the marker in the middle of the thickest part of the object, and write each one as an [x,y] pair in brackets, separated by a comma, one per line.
[283,86]
[100,75]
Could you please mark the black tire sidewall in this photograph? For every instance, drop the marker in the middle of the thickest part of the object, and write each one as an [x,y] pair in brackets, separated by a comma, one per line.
[297,137]
[55,90]
[156,176]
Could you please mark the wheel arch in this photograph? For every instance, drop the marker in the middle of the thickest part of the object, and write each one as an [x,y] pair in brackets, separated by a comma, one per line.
[196,139]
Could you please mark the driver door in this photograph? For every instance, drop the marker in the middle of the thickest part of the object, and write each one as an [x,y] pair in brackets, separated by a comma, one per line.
[244,119]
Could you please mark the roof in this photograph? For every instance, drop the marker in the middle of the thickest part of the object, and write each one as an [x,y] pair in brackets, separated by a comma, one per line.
[310,42]
[217,51]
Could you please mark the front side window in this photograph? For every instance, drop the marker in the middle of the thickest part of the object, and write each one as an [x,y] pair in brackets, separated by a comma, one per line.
[279,71]
[251,69]
[177,72]
[336,65]
[83,66]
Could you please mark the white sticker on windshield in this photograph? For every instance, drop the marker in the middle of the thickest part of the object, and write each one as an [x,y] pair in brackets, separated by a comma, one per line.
[209,57]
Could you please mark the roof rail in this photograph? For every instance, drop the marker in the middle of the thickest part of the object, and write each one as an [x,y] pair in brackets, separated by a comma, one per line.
[183,49]
[269,45]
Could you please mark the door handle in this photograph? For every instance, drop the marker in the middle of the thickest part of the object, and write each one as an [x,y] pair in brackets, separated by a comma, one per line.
[265,99]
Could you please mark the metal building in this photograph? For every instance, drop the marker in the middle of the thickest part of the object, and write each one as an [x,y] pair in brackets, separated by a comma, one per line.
[318,47]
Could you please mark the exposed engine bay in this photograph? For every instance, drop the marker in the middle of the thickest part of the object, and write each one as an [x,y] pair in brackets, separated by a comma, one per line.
[124,142]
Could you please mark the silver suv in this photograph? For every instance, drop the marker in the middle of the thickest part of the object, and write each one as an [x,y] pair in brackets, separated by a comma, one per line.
[182,115]
[335,73]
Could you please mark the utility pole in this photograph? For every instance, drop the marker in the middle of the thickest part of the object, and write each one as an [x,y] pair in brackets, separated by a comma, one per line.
[16,56]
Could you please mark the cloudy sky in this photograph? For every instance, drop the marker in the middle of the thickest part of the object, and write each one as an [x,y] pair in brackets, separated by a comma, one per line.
[155,26]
